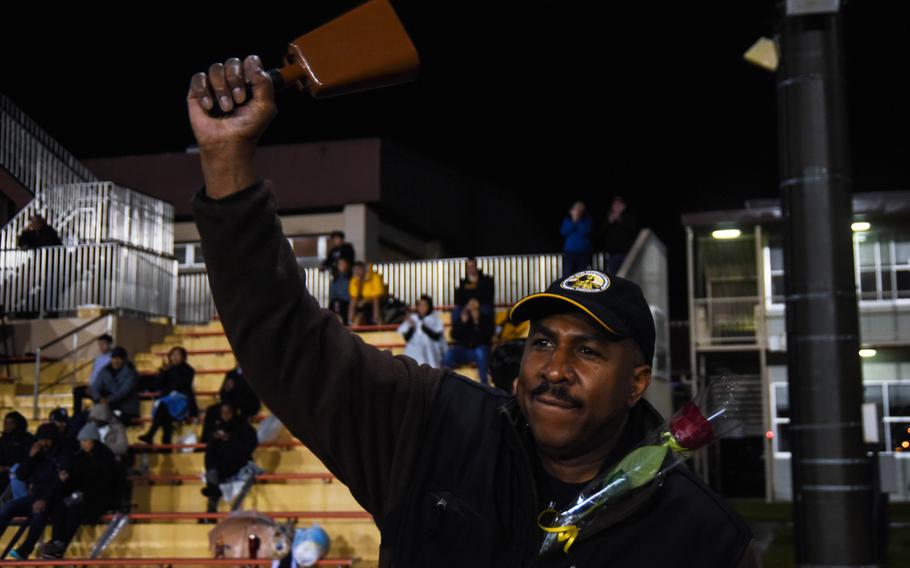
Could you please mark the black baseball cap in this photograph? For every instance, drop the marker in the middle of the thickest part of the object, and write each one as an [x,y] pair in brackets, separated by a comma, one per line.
[614,303]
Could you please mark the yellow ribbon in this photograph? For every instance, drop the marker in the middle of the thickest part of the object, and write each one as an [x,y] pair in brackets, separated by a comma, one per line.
[566,534]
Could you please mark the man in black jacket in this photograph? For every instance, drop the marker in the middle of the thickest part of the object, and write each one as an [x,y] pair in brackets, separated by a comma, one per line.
[454,473]
[14,445]
[89,488]
[229,446]
[42,471]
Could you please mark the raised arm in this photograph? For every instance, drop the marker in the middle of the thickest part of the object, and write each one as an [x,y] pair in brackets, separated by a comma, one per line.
[361,410]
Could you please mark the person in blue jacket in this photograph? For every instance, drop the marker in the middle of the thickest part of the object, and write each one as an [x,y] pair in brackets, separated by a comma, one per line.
[577,248]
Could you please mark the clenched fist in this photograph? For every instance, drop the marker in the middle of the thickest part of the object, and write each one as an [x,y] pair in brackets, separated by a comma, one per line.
[227,144]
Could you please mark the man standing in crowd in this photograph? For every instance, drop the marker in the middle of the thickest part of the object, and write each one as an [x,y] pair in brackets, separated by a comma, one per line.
[618,234]
[14,445]
[340,290]
[454,473]
[338,249]
[576,232]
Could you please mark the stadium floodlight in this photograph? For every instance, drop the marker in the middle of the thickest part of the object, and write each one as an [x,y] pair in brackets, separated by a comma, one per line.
[866,353]
[861,226]
[726,234]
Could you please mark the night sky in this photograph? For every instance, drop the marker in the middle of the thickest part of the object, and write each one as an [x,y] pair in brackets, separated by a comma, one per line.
[554,100]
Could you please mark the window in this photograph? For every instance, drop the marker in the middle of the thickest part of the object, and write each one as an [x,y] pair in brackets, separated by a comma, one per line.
[189,255]
[881,263]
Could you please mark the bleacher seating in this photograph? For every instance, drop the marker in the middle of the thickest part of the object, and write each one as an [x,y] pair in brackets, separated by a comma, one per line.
[167,502]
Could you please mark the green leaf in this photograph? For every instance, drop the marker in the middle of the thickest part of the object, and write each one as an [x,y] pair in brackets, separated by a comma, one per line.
[641,465]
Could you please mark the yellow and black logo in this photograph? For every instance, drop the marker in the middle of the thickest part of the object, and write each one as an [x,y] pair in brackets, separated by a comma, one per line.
[587,281]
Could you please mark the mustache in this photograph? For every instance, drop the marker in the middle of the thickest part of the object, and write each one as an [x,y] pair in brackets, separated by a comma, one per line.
[557,391]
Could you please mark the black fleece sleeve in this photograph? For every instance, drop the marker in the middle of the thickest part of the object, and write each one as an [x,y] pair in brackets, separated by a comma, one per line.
[361,410]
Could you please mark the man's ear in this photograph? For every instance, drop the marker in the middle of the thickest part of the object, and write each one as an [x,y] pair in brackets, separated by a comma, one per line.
[514,385]
[641,380]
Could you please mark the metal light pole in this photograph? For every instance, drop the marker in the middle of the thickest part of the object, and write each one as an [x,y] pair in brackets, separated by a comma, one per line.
[833,493]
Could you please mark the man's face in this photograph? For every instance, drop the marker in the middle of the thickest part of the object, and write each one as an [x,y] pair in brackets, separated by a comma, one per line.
[45,444]
[9,424]
[227,413]
[358,271]
[104,345]
[423,308]
[87,445]
[175,356]
[117,363]
[344,266]
[60,425]
[335,241]
[470,269]
[576,384]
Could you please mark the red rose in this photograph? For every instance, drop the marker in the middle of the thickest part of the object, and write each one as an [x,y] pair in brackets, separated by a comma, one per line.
[690,429]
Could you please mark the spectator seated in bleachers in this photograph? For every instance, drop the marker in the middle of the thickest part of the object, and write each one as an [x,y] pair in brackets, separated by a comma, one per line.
[43,470]
[424,333]
[235,390]
[177,400]
[475,285]
[105,345]
[229,446]
[340,290]
[368,292]
[68,428]
[87,489]
[505,361]
[117,386]
[15,444]
[472,333]
[112,431]
[38,234]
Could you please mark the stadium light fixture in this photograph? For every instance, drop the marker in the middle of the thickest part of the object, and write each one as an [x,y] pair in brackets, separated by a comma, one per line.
[726,234]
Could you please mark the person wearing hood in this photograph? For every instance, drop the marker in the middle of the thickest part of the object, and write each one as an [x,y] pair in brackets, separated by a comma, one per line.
[117,386]
[177,400]
[14,445]
[87,486]
[234,390]
[229,447]
[424,333]
[42,471]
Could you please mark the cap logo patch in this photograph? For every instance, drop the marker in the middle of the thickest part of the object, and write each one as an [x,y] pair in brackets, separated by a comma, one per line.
[587,281]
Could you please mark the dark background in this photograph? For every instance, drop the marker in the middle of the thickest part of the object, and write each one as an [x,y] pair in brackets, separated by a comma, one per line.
[556,101]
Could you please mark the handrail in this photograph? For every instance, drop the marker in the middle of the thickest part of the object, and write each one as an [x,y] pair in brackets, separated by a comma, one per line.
[74,333]
[75,330]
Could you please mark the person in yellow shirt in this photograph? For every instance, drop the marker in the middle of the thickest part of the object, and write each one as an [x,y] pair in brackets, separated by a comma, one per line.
[367,293]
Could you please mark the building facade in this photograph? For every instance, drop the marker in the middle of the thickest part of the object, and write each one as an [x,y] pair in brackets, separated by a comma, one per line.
[738,330]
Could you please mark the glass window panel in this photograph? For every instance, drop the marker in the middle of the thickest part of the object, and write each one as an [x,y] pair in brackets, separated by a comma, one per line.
[900,435]
[902,251]
[867,253]
[903,283]
[197,254]
[873,393]
[783,401]
[783,438]
[777,287]
[867,285]
[899,400]
[180,253]
[885,251]
[777,258]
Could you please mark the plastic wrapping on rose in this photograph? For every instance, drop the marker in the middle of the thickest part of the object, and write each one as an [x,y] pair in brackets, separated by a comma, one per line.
[701,421]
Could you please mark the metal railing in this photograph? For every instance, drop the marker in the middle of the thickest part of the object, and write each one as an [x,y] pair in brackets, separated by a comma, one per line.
[726,321]
[32,156]
[72,355]
[514,277]
[61,279]
[98,212]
